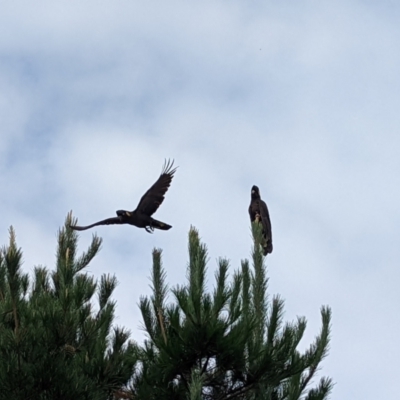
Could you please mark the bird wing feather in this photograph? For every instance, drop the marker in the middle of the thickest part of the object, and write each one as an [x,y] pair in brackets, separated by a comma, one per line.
[266,222]
[153,198]
[252,211]
[265,219]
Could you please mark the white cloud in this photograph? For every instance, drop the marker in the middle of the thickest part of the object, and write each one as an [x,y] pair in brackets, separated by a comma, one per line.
[299,98]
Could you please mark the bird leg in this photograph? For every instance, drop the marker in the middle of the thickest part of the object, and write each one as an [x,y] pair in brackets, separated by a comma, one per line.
[149,229]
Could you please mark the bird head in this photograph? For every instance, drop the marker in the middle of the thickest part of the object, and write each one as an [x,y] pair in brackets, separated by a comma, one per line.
[123,213]
[255,192]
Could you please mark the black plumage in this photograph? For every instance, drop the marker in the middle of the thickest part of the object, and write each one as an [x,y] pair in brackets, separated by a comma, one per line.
[258,211]
[148,205]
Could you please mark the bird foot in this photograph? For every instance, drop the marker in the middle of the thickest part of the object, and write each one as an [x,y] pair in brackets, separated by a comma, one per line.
[149,229]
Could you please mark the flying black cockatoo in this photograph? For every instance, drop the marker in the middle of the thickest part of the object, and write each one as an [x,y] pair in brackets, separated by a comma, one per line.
[148,205]
[258,211]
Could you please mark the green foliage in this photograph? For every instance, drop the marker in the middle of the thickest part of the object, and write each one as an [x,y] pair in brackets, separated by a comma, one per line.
[231,344]
[53,345]
[57,342]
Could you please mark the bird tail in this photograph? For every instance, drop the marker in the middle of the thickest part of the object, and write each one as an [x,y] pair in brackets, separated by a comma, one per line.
[267,247]
[160,225]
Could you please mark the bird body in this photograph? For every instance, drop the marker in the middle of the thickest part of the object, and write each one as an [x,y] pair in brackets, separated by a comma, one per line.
[148,205]
[258,212]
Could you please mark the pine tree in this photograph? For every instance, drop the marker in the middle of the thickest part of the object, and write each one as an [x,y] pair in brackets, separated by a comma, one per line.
[228,344]
[53,344]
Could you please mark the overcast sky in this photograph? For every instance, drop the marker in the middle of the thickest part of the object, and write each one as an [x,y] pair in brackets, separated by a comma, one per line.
[298,97]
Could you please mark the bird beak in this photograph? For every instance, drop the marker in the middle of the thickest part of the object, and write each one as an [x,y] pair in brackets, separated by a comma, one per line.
[128,213]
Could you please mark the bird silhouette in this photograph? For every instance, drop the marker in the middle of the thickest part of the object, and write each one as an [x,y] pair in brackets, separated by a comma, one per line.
[258,211]
[148,205]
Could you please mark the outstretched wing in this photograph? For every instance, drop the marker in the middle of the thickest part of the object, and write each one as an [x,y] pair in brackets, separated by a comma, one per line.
[153,198]
[108,221]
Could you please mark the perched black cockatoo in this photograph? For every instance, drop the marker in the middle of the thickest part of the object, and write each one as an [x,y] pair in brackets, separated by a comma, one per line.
[258,211]
[148,205]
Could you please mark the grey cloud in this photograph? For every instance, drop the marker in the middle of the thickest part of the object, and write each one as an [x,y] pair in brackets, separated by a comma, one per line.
[300,99]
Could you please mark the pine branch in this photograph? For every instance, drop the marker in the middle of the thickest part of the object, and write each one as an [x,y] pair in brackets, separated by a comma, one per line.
[86,257]
[160,290]
[322,391]
[274,322]
[158,278]
[108,284]
[161,322]
[195,386]
[148,317]
[220,295]
[235,303]
[259,283]
[319,349]
[196,273]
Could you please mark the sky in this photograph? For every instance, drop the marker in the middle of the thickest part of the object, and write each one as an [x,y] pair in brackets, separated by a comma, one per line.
[300,98]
